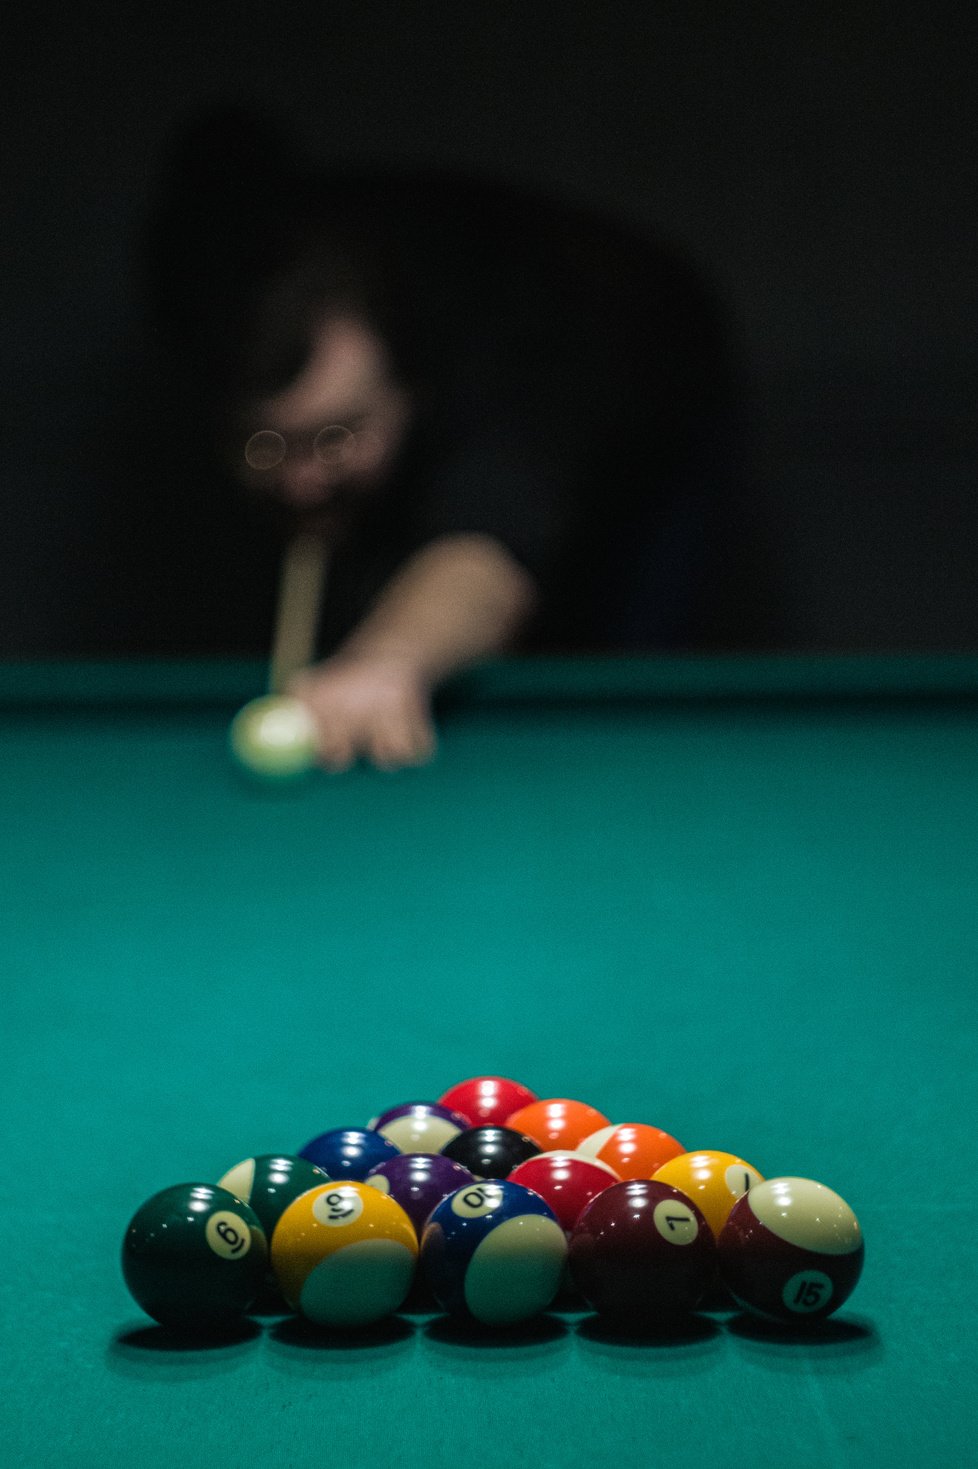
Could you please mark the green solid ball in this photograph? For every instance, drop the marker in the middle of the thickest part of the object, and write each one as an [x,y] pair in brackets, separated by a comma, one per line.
[195,1257]
[274,737]
[269,1182]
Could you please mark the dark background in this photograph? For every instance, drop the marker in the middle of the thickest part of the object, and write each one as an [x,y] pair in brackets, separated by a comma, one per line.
[817,160]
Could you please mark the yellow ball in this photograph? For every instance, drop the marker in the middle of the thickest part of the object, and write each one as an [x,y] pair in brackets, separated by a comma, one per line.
[274,737]
[714,1181]
[344,1254]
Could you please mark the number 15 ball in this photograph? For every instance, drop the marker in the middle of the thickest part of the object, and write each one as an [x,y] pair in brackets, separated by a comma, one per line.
[791,1250]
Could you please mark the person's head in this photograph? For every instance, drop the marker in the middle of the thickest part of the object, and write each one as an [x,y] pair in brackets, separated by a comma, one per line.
[267,294]
[334,429]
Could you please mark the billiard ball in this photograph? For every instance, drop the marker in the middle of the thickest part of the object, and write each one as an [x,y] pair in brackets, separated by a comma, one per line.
[632,1149]
[557,1122]
[269,1183]
[419,1182]
[420,1127]
[487,1098]
[489,1151]
[566,1181]
[494,1252]
[194,1257]
[791,1250]
[275,738]
[348,1152]
[344,1254]
[713,1180]
[642,1254]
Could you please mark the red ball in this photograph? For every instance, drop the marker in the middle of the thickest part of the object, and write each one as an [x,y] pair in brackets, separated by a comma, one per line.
[642,1254]
[566,1181]
[487,1099]
[791,1250]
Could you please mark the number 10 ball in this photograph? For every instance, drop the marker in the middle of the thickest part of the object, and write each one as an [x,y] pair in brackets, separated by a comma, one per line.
[493,1251]
[344,1254]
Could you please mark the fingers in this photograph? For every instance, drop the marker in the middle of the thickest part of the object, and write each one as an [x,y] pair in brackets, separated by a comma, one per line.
[359,716]
[399,744]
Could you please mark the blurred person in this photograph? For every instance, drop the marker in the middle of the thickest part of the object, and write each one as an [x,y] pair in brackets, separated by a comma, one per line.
[507,417]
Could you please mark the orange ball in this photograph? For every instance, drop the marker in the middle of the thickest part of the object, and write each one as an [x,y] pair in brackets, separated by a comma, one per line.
[632,1149]
[557,1122]
[714,1181]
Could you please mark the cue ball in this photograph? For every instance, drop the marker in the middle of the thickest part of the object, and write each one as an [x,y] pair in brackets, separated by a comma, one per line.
[642,1253]
[194,1257]
[274,737]
[344,1255]
[713,1180]
[495,1252]
[791,1250]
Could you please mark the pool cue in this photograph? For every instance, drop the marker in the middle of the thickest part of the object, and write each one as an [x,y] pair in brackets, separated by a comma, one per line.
[301,589]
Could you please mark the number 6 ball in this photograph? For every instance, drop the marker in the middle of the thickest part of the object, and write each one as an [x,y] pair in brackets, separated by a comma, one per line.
[791,1250]
[194,1257]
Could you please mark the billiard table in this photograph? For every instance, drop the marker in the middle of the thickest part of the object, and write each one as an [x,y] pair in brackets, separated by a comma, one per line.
[734,897]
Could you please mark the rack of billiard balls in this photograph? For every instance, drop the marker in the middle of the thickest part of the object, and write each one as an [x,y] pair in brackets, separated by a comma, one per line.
[494,1201]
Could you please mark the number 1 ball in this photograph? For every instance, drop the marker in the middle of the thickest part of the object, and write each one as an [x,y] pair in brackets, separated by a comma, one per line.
[194,1257]
[642,1254]
[791,1250]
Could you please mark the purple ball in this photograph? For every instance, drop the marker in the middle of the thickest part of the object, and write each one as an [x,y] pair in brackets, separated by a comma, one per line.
[419,1182]
[420,1127]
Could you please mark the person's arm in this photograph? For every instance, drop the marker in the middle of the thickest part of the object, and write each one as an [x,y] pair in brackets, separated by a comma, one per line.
[459,599]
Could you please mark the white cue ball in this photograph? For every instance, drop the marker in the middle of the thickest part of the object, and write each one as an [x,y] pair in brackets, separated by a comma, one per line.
[274,737]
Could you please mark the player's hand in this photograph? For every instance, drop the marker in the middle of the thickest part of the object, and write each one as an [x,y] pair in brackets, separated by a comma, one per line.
[377,709]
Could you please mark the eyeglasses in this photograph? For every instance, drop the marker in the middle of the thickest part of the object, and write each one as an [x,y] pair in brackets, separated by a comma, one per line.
[332,446]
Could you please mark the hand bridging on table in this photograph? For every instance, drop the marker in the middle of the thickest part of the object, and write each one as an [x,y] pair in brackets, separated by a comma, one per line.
[369,707]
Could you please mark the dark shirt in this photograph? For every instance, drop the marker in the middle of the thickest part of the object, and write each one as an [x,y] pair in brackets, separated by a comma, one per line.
[570,375]
[573,403]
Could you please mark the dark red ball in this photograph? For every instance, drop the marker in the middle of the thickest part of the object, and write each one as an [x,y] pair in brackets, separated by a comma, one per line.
[791,1250]
[642,1254]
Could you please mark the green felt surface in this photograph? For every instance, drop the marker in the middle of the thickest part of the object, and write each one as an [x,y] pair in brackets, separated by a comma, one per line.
[750,919]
